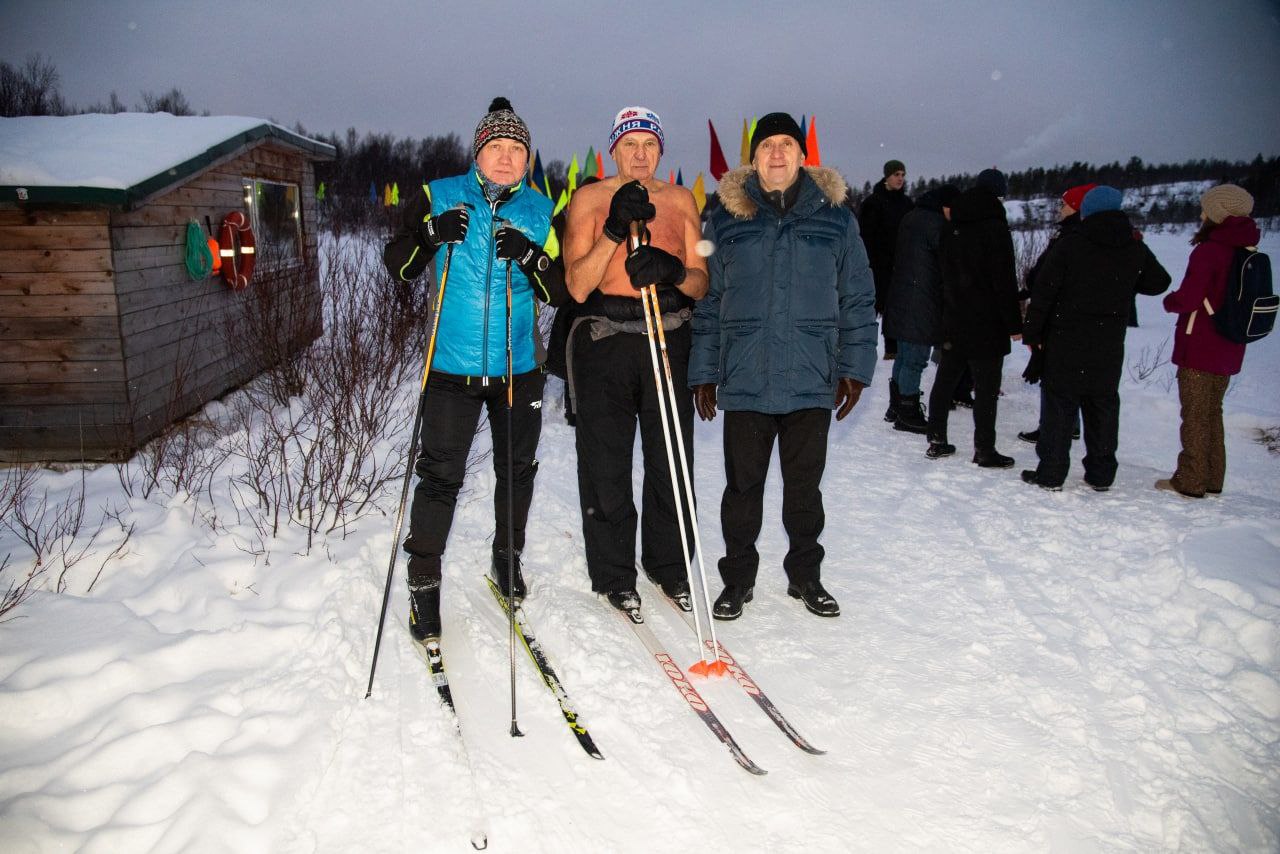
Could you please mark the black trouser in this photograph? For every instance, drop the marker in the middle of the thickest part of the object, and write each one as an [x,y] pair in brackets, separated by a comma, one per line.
[448,426]
[1058,414]
[802,453]
[986,390]
[613,380]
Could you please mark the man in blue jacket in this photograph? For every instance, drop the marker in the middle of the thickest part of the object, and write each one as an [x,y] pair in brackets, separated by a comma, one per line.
[492,223]
[786,332]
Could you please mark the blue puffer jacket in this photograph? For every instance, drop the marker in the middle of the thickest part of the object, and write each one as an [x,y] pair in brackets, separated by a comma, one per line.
[472,339]
[791,306]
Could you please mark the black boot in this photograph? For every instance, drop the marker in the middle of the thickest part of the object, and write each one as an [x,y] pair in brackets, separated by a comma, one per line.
[424,610]
[500,574]
[891,414]
[1030,436]
[624,600]
[910,415]
[992,459]
[730,601]
[678,591]
[938,447]
[815,598]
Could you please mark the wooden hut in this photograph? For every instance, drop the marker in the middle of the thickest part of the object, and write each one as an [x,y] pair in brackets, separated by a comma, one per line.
[105,337]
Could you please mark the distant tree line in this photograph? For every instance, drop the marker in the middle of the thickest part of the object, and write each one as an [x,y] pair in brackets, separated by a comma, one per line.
[365,165]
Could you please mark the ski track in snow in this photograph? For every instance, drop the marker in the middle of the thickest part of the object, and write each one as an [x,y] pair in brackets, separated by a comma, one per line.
[1014,670]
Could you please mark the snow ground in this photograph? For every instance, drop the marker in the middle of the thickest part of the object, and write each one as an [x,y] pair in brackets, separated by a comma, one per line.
[1014,670]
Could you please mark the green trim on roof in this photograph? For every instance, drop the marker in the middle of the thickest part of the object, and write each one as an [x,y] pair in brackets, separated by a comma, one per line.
[128,198]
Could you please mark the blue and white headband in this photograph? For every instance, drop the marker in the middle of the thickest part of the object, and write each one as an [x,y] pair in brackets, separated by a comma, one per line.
[636,118]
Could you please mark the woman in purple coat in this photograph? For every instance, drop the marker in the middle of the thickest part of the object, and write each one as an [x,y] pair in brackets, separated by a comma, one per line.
[1206,360]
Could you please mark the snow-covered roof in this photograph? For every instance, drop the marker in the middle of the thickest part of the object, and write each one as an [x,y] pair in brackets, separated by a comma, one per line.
[122,158]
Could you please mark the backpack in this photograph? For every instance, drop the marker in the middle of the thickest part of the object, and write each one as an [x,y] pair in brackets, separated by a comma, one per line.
[1249,311]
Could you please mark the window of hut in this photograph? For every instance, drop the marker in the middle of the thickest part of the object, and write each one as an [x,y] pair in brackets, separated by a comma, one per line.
[275,212]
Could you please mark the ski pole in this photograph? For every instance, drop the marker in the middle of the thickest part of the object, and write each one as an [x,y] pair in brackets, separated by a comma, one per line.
[658,343]
[413,448]
[511,551]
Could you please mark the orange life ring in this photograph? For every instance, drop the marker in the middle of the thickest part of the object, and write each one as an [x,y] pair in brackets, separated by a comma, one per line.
[237,250]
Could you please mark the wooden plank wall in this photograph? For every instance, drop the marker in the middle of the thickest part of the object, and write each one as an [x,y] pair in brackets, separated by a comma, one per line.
[183,341]
[105,339]
[62,379]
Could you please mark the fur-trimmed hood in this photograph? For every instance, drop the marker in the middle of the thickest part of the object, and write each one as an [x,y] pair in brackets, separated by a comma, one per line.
[735,199]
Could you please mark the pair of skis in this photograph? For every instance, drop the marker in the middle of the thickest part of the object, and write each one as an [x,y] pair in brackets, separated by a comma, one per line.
[686,689]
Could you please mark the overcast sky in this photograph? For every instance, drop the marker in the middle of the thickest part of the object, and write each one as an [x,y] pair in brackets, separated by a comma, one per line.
[942,86]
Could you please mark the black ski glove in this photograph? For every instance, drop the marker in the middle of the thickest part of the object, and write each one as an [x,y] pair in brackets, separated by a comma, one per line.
[630,203]
[447,227]
[512,245]
[648,265]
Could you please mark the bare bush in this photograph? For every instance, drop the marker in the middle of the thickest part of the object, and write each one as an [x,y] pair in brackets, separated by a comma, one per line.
[1028,246]
[1151,363]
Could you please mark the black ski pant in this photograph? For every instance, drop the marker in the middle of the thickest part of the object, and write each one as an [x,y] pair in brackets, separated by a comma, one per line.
[1058,414]
[986,391]
[453,406]
[802,454]
[613,380]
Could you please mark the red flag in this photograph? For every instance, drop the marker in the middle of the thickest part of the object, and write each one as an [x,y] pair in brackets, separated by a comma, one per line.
[812,157]
[719,165]
[600,164]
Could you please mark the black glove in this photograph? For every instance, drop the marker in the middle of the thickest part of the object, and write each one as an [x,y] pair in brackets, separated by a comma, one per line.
[848,391]
[447,227]
[1035,366]
[512,245]
[648,265]
[630,203]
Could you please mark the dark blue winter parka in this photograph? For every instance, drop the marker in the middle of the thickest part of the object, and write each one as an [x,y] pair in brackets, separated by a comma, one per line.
[791,305]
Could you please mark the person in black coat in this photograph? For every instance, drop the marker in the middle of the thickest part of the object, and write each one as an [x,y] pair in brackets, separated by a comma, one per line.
[980,315]
[1078,316]
[878,219]
[913,307]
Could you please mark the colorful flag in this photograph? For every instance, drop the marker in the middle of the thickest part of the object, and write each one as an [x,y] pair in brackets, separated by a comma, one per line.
[373,193]
[719,165]
[395,194]
[600,165]
[803,132]
[812,157]
[573,175]
[320,192]
[671,176]
[589,164]
[679,177]
[699,193]
[538,178]
[746,145]
[561,203]
[386,195]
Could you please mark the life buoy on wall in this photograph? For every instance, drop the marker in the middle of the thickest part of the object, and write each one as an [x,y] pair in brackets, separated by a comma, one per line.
[237,250]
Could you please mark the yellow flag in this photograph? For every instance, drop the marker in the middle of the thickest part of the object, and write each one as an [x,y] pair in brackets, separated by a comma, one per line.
[561,203]
[386,195]
[395,194]
[746,145]
[573,174]
[699,193]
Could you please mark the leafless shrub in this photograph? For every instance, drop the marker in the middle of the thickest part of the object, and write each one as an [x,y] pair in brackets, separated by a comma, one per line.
[1270,438]
[1153,366]
[1028,246]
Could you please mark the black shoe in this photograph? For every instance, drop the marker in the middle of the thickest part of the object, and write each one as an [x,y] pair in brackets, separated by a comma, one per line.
[965,400]
[500,575]
[891,414]
[815,598]
[992,459]
[424,611]
[1097,487]
[730,601]
[938,449]
[624,600]
[1030,476]
[678,591]
[910,415]
[1030,436]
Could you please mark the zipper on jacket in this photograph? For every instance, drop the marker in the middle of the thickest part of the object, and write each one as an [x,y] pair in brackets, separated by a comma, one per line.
[488,282]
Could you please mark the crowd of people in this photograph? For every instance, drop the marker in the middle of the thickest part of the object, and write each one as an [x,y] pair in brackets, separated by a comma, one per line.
[768,313]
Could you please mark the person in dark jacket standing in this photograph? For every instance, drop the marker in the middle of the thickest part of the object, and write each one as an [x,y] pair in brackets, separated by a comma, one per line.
[879,217]
[787,333]
[980,315]
[469,367]
[1079,314]
[1068,222]
[1206,360]
[913,309]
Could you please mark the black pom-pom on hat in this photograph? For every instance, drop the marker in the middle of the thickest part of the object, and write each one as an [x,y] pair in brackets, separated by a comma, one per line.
[500,103]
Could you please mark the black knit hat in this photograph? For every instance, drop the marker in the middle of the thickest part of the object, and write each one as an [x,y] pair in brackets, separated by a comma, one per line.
[994,182]
[772,125]
[892,166]
[500,123]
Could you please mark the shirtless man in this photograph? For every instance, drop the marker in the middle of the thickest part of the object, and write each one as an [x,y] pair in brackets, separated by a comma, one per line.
[609,367]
